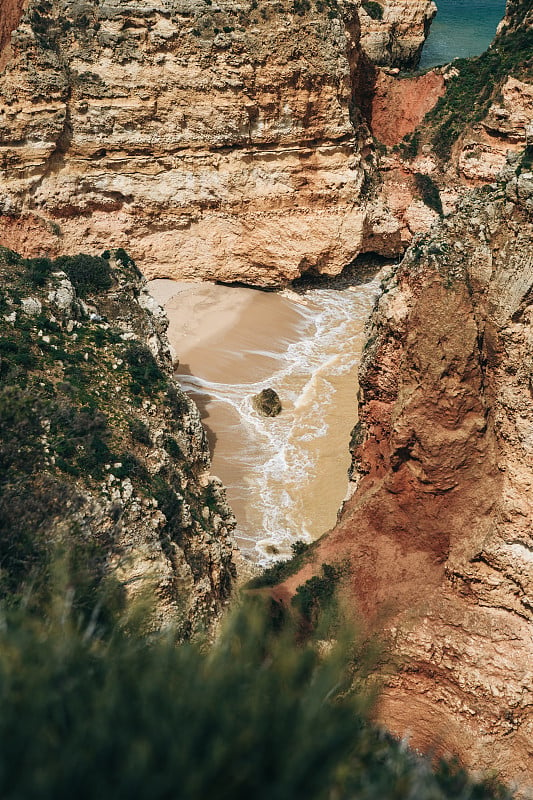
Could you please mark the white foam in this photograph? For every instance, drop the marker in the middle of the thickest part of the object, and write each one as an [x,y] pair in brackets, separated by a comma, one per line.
[269,447]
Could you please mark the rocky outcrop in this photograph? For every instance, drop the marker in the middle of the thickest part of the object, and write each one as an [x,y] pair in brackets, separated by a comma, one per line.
[103,456]
[393,32]
[399,105]
[487,147]
[437,531]
[203,136]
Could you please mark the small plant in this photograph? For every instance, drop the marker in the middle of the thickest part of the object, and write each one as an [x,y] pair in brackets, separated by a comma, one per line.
[299,547]
[38,270]
[173,448]
[145,374]
[300,7]
[140,432]
[373,9]
[409,145]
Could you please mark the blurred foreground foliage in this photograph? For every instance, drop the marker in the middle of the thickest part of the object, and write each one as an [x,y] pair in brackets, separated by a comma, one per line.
[97,712]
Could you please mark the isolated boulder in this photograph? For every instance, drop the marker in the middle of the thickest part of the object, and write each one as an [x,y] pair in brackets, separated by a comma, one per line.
[267,403]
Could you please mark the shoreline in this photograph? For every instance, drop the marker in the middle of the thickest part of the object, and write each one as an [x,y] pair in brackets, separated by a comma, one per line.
[286,477]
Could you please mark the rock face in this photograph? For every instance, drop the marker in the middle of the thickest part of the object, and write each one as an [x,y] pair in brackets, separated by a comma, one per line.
[204,137]
[397,38]
[505,130]
[400,104]
[438,529]
[102,454]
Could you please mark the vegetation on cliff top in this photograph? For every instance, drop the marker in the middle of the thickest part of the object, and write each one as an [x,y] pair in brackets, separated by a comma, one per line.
[470,93]
[82,401]
[122,715]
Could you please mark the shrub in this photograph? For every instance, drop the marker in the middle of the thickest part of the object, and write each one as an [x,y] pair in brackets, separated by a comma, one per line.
[300,7]
[145,374]
[38,270]
[140,432]
[281,570]
[126,716]
[429,192]
[173,448]
[87,273]
[316,594]
[373,9]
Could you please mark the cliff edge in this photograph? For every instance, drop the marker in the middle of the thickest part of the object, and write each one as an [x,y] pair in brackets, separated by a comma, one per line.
[104,461]
[206,138]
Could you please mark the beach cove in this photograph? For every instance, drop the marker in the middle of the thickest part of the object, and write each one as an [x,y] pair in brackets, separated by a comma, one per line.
[286,477]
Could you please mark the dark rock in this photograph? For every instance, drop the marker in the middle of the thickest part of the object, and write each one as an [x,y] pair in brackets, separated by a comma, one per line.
[267,403]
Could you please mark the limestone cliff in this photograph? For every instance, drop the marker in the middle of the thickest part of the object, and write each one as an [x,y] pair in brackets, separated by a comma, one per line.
[437,532]
[214,140]
[393,32]
[485,117]
[102,455]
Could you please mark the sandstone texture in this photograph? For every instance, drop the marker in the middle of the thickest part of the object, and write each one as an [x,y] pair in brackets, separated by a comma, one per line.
[205,137]
[397,39]
[400,104]
[103,456]
[503,133]
[437,532]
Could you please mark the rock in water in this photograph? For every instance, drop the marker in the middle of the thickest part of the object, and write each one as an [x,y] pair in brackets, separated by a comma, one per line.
[267,403]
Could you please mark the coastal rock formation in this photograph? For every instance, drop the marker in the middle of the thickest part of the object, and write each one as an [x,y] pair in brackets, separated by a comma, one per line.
[508,126]
[400,104]
[437,531]
[393,32]
[205,137]
[267,403]
[103,456]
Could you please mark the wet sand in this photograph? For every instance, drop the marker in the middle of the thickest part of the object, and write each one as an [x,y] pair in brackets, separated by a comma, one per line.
[286,477]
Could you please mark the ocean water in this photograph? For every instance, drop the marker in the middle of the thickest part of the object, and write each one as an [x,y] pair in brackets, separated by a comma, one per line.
[287,476]
[462,28]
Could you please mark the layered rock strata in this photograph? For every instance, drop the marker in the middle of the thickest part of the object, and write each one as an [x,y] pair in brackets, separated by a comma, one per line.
[395,36]
[103,456]
[206,137]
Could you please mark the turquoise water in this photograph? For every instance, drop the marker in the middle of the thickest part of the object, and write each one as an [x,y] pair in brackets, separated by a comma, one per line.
[462,28]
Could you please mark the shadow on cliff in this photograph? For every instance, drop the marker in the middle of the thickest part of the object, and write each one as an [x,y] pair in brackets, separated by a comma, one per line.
[202,400]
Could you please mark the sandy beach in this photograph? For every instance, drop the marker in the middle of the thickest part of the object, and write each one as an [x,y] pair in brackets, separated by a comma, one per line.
[286,477]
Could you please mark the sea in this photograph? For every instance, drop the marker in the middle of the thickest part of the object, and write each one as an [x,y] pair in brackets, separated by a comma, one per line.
[461,29]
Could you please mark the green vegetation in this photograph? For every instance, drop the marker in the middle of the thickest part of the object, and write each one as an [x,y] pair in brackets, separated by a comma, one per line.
[300,7]
[316,595]
[282,570]
[373,9]
[87,273]
[409,145]
[469,94]
[526,162]
[116,714]
[73,426]
[146,376]
[429,192]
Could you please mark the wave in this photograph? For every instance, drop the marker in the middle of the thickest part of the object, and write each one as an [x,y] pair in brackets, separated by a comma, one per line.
[278,455]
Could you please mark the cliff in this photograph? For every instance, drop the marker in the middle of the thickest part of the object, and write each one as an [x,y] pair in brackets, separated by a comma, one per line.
[103,458]
[204,137]
[436,537]
[393,32]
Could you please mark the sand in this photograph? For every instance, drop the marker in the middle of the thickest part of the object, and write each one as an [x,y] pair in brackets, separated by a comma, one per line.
[229,340]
